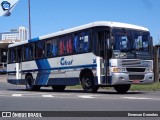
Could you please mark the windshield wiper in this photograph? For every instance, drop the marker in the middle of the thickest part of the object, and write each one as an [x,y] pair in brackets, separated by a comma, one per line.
[127,50]
[131,50]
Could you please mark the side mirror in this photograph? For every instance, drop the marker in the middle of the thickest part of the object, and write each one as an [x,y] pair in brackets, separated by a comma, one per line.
[150,45]
[151,42]
[110,42]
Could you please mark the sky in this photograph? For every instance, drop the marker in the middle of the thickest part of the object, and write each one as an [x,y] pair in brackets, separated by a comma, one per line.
[48,16]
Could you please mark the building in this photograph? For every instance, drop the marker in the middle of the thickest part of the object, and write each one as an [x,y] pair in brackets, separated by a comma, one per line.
[3,53]
[23,33]
[6,38]
[11,35]
[15,34]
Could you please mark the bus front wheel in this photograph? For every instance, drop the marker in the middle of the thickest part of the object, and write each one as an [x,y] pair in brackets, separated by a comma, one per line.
[88,83]
[30,84]
[122,88]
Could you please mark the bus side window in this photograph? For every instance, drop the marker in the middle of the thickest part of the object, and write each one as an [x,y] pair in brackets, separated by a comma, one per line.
[13,55]
[19,54]
[33,50]
[49,48]
[39,50]
[61,46]
[81,42]
[69,48]
[9,55]
[76,44]
[85,42]
[27,57]
[25,51]
[55,47]
[30,53]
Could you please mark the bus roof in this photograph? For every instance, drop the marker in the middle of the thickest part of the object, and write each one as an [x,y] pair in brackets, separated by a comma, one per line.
[94,24]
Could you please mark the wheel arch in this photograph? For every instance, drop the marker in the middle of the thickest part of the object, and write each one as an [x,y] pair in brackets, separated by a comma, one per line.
[87,80]
[84,71]
[28,74]
[30,83]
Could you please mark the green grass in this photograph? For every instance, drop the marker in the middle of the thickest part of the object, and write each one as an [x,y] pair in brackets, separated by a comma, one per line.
[147,87]
[74,87]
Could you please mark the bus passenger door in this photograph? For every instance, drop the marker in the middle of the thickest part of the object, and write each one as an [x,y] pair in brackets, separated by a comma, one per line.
[19,64]
[103,52]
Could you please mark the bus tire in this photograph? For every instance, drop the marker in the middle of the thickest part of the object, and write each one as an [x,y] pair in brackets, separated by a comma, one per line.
[88,83]
[58,88]
[121,89]
[30,84]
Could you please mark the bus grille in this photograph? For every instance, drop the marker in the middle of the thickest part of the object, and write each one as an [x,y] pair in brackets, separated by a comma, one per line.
[135,63]
[136,77]
[135,69]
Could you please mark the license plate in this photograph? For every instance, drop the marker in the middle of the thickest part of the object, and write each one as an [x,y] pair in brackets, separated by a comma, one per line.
[136,81]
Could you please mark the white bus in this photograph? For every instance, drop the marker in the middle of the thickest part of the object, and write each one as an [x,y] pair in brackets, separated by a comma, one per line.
[98,54]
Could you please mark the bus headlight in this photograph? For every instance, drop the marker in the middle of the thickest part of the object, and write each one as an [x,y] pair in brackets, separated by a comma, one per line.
[119,69]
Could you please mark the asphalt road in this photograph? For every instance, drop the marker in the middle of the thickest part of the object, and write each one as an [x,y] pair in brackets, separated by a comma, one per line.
[16,98]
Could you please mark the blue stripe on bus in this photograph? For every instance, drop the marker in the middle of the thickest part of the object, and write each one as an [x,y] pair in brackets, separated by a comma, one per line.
[58,68]
[33,40]
[43,75]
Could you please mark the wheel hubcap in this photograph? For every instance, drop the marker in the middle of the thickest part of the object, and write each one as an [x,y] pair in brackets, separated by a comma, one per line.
[88,82]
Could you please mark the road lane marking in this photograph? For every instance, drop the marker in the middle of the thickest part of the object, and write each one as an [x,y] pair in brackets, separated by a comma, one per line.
[16,95]
[85,96]
[138,98]
[47,96]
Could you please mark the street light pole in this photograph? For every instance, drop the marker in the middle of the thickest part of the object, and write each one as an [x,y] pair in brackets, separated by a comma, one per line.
[29,19]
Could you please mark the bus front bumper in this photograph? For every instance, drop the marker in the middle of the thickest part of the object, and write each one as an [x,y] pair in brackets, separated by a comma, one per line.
[132,78]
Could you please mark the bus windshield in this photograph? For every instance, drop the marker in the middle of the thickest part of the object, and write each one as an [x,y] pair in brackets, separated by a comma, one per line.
[128,40]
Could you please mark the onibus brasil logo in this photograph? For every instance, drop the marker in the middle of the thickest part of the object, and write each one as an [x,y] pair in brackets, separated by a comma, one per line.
[5,5]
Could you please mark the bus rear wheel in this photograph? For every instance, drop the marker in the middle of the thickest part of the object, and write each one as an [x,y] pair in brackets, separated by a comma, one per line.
[88,83]
[30,84]
[58,88]
[121,89]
